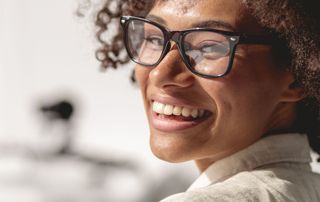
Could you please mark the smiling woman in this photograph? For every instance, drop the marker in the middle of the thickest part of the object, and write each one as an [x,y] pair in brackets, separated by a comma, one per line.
[232,85]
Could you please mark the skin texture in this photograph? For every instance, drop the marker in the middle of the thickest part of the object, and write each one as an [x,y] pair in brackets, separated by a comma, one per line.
[182,7]
[254,99]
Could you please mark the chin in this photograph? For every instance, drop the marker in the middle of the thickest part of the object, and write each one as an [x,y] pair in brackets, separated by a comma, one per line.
[169,156]
[169,150]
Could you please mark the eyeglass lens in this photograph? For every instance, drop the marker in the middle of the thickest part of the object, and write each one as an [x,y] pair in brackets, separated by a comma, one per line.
[145,42]
[207,52]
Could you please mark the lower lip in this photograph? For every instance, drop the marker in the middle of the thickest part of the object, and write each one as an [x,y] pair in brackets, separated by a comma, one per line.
[170,125]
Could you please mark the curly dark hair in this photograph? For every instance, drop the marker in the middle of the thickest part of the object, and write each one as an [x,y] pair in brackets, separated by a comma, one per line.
[296,22]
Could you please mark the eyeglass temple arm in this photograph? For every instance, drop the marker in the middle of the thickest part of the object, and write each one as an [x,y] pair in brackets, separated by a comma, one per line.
[251,39]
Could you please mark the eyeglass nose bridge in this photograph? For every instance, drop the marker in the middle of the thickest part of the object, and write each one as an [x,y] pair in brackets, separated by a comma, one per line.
[175,36]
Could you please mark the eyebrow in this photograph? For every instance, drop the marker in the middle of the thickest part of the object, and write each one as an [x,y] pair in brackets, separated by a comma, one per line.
[156,19]
[214,24]
[204,24]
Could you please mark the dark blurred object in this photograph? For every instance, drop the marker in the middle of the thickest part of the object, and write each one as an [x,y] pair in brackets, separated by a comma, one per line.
[58,115]
[61,110]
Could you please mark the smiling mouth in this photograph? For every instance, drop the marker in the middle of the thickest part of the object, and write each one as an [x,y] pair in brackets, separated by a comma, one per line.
[169,118]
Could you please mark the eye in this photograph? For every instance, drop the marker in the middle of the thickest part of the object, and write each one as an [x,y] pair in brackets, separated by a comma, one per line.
[213,49]
[210,47]
[154,40]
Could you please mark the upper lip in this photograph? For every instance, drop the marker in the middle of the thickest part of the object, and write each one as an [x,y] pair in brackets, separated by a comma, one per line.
[167,99]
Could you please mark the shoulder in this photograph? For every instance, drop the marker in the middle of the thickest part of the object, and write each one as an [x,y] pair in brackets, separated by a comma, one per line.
[235,188]
[265,185]
[293,182]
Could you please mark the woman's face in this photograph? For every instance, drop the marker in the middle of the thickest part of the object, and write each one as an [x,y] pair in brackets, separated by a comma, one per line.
[238,108]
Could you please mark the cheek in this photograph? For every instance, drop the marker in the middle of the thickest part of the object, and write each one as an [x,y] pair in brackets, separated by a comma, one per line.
[243,105]
[222,97]
[141,75]
[142,78]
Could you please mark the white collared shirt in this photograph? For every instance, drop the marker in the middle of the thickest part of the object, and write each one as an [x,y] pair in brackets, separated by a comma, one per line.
[275,168]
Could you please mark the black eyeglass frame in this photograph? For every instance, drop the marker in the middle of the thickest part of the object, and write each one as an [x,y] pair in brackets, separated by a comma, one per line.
[178,37]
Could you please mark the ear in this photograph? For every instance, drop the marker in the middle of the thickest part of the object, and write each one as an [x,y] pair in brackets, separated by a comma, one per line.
[293,91]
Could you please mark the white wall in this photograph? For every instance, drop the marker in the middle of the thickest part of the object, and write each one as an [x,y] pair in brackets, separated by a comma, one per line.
[47,52]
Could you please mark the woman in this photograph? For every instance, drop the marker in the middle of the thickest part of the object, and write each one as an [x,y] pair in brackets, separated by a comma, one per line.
[232,85]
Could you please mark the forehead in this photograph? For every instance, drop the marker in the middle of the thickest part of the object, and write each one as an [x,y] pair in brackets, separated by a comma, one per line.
[180,14]
[181,6]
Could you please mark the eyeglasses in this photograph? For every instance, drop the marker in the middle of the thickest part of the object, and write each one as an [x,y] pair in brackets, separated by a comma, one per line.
[206,52]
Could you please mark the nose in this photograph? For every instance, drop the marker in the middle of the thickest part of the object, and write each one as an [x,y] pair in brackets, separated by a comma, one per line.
[171,71]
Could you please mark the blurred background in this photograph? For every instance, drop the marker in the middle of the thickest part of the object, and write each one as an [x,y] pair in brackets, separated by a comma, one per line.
[69,132]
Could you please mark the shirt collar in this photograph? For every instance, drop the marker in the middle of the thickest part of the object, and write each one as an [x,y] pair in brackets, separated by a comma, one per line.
[268,150]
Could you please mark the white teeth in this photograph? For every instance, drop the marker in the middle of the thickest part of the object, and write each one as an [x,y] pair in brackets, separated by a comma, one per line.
[194,113]
[167,109]
[186,112]
[154,107]
[177,110]
[158,107]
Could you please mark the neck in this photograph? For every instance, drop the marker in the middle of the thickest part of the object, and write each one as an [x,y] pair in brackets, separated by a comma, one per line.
[283,119]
